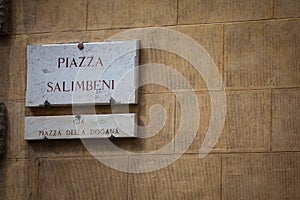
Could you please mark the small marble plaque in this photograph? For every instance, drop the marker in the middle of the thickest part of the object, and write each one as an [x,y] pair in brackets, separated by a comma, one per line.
[80,126]
[87,73]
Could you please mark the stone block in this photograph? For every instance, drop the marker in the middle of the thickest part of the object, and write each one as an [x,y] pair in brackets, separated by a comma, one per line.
[261,176]
[14,179]
[130,13]
[262,54]
[207,38]
[50,16]
[15,68]
[247,123]
[80,178]
[285,120]
[286,8]
[187,178]
[4,55]
[154,133]
[203,11]
[16,145]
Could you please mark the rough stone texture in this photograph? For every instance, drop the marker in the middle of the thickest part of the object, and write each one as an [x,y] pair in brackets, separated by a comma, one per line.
[262,54]
[80,178]
[16,68]
[3,129]
[16,145]
[286,8]
[261,176]
[285,120]
[207,11]
[4,16]
[4,54]
[71,36]
[210,37]
[187,178]
[14,179]
[156,139]
[31,16]
[70,148]
[247,123]
[130,13]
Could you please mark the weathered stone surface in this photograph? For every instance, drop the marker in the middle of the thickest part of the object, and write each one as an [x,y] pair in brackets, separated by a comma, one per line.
[155,133]
[30,16]
[286,8]
[4,16]
[131,13]
[71,36]
[16,69]
[261,176]
[99,72]
[203,11]
[262,54]
[55,148]
[3,129]
[247,123]
[14,179]
[209,37]
[187,178]
[285,120]
[4,78]
[16,145]
[80,178]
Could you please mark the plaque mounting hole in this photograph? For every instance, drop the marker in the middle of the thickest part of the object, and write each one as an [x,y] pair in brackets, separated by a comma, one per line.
[80,46]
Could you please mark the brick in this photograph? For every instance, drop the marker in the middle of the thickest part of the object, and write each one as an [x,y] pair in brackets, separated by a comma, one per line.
[31,16]
[285,120]
[286,8]
[187,178]
[261,176]
[14,179]
[130,13]
[204,11]
[262,54]
[80,178]
[247,123]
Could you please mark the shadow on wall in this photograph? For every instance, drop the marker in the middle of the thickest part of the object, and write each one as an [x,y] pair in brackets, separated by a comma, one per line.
[2,142]
[2,129]
[4,17]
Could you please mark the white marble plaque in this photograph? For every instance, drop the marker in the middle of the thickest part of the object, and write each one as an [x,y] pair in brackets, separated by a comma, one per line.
[80,126]
[94,73]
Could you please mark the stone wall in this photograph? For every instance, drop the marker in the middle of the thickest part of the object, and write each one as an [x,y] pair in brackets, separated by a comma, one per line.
[256,46]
